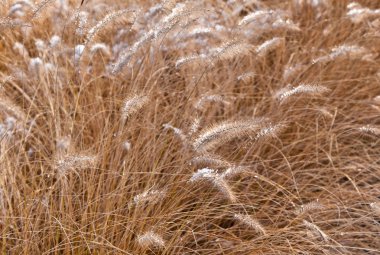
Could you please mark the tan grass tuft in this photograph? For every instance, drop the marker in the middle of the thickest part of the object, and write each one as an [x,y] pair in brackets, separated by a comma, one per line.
[250,222]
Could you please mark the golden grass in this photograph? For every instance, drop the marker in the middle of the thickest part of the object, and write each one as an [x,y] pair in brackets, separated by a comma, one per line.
[201,127]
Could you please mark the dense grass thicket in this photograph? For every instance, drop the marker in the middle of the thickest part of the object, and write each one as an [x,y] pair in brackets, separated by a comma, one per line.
[190,127]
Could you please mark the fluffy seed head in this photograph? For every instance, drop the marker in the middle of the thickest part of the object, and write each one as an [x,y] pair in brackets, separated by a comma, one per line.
[233,171]
[257,16]
[223,132]
[230,50]
[35,65]
[196,123]
[358,14]
[375,206]
[202,174]
[246,77]
[127,55]
[40,44]
[224,188]
[269,45]
[193,58]
[370,129]
[151,196]
[151,239]
[286,24]
[346,51]
[250,222]
[100,47]
[199,31]
[74,162]
[63,143]
[177,131]
[127,145]
[11,108]
[210,98]
[132,105]
[270,131]
[81,19]
[309,207]
[105,21]
[78,51]
[311,89]
[316,231]
[209,160]
[54,41]
[168,4]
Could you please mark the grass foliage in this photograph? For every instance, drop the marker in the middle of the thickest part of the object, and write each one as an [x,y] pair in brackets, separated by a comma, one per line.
[190,127]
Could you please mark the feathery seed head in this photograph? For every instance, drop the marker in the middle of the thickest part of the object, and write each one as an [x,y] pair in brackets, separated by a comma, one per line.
[21,50]
[194,126]
[316,231]
[270,131]
[132,105]
[285,94]
[153,11]
[230,50]
[127,145]
[54,41]
[193,58]
[177,131]
[309,207]
[224,188]
[127,55]
[78,51]
[198,31]
[358,14]
[353,51]
[11,108]
[346,51]
[15,9]
[151,239]
[168,4]
[207,174]
[210,98]
[40,44]
[74,162]
[100,47]
[267,20]
[63,143]
[202,174]
[250,222]
[225,131]
[313,3]
[257,16]
[375,206]
[105,21]
[286,24]
[269,45]
[151,196]
[233,171]
[246,77]
[369,129]
[35,65]
[209,160]
[81,20]
[182,15]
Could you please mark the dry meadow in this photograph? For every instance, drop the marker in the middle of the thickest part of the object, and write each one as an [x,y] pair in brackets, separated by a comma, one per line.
[190,127]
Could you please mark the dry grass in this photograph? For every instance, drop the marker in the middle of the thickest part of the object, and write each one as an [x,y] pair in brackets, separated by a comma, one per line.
[208,127]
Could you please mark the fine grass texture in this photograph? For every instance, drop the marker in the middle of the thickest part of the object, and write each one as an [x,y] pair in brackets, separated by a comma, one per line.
[190,127]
